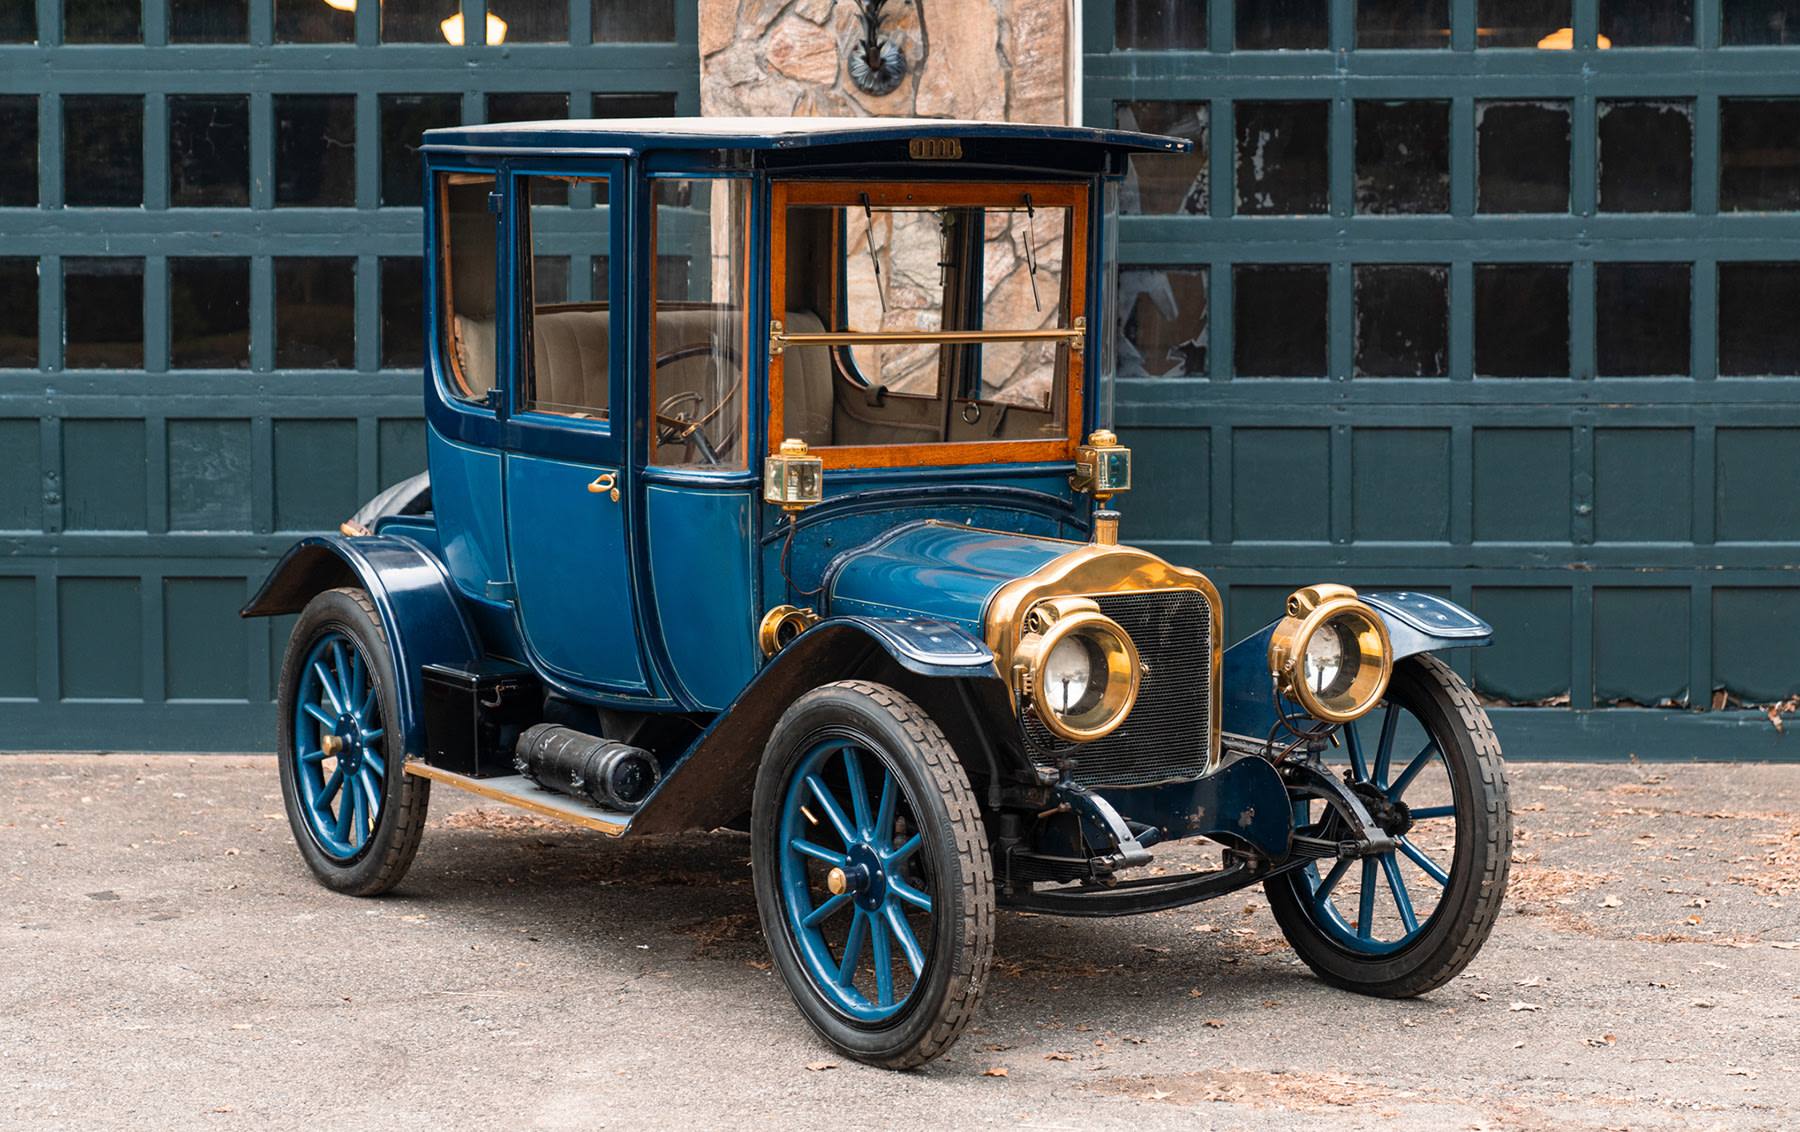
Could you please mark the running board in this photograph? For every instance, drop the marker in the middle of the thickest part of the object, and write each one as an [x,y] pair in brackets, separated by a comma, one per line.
[517,790]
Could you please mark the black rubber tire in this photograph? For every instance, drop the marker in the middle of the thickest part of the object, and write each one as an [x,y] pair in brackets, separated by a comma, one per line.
[1465,914]
[388,853]
[949,990]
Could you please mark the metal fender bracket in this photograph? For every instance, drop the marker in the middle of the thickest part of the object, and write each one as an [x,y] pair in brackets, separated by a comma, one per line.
[1368,838]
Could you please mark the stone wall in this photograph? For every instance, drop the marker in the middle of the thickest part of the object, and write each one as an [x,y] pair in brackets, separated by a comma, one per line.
[987,59]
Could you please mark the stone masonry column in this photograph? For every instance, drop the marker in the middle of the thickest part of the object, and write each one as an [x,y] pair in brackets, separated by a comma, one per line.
[990,59]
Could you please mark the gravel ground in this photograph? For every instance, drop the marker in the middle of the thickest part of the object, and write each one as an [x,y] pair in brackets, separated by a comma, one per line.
[171,964]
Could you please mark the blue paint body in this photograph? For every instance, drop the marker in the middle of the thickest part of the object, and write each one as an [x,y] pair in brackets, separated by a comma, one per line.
[646,599]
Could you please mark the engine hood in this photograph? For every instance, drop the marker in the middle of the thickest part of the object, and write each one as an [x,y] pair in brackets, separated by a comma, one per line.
[934,569]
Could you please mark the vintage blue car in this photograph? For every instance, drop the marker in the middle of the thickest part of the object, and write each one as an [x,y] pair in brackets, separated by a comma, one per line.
[815,540]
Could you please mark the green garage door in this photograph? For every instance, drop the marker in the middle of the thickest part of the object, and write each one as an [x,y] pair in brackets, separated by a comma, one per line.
[210,328]
[1492,298]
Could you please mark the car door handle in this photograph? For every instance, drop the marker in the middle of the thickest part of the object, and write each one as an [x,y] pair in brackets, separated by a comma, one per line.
[606,481]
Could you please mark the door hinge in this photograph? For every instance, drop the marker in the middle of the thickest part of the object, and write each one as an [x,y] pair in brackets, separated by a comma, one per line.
[494,202]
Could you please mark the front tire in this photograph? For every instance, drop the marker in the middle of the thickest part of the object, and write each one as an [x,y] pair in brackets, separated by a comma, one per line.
[1362,925]
[356,814]
[872,874]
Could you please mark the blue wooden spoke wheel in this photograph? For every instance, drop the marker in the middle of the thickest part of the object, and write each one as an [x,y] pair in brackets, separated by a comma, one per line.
[872,874]
[356,815]
[1427,766]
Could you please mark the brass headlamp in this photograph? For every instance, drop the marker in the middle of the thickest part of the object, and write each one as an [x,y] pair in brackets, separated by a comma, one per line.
[1078,667]
[1331,653]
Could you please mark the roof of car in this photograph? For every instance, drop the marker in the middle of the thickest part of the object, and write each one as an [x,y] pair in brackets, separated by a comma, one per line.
[770,133]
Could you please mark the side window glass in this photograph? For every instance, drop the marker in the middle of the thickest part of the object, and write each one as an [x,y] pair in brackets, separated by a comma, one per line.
[570,338]
[697,346]
[468,282]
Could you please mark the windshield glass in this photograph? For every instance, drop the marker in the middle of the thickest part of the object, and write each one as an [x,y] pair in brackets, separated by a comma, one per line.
[929,314]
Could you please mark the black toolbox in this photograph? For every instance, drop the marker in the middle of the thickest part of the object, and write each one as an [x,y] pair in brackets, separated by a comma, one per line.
[474,713]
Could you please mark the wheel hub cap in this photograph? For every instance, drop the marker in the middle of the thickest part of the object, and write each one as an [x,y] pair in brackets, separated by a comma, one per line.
[864,877]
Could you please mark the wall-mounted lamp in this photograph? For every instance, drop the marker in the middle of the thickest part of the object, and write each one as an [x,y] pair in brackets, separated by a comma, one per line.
[342,5]
[876,63]
[1563,39]
[453,29]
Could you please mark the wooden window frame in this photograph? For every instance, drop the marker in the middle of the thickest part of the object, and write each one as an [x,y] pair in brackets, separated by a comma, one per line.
[447,301]
[1050,194]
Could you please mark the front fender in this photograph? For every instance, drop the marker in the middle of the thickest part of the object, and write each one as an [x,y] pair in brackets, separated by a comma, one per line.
[1416,623]
[420,614]
[712,784]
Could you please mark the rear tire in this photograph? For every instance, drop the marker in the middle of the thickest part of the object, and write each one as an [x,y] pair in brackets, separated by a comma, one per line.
[857,780]
[1378,943]
[356,814]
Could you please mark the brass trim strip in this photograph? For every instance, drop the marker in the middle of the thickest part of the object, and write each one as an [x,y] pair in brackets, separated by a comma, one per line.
[1075,336]
[551,806]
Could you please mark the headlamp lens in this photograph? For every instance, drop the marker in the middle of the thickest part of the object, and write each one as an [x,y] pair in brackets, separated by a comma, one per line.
[1332,659]
[1074,675]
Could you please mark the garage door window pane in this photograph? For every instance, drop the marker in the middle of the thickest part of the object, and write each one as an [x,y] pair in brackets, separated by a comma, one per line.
[1382,24]
[1758,333]
[103,150]
[634,21]
[1402,157]
[1758,23]
[209,313]
[1646,156]
[315,313]
[209,21]
[1402,320]
[102,21]
[1279,327]
[402,312]
[315,150]
[1642,315]
[313,21]
[1522,157]
[103,313]
[1281,158]
[1283,25]
[1159,25]
[209,151]
[1522,319]
[1648,23]
[18,21]
[404,120]
[634,104]
[1759,154]
[1164,326]
[1165,184]
[420,21]
[533,21]
[18,312]
[1520,23]
[18,150]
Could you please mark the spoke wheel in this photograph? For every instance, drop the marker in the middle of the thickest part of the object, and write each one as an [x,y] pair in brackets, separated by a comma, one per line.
[356,815]
[1427,766]
[872,874]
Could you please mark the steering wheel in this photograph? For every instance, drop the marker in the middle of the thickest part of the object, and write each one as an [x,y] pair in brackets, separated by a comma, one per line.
[674,427]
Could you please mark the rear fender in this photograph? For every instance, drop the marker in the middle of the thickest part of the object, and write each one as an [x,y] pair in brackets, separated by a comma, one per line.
[1416,623]
[948,672]
[420,614]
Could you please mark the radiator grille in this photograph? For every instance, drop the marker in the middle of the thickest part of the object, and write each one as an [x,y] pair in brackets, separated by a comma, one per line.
[1166,735]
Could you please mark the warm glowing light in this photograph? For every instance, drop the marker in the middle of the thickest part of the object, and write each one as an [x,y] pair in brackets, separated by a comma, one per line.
[453,28]
[1563,39]
[342,5]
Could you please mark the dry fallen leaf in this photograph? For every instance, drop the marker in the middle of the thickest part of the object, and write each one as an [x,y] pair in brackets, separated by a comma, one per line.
[1157,1095]
[1603,1040]
[1534,981]
[1205,927]
[1001,1046]
[1197,992]
[1216,1023]
[821,1066]
[1059,1057]
[1483,996]
[1703,1004]
[1787,946]
[1612,902]
[1693,919]
[1525,1006]
[759,965]
[996,1071]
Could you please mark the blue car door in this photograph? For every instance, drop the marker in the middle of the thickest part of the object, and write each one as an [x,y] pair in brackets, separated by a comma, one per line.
[567,489]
